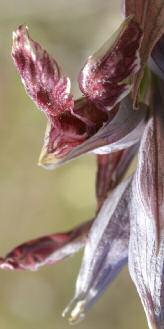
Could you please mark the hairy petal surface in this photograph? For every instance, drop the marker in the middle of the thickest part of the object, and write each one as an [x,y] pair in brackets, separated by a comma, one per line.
[105,252]
[146,254]
[69,124]
[42,77]
[123,131]
[46,250]
[110,169]
[104,77]
[149,15]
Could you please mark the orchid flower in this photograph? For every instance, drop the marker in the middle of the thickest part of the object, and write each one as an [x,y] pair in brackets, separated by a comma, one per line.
[120,114]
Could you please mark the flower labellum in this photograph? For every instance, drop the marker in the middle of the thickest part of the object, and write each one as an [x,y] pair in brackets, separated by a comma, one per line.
[104,81]
[46,250]
[123,131]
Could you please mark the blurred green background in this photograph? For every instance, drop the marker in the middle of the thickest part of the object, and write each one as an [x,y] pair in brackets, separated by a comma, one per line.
[36,202]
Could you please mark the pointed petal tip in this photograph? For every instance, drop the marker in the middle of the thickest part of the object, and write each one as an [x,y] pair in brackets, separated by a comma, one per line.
[101,68]
[47,161]
[75,311]
[22,45]
[151,319]
[22,29]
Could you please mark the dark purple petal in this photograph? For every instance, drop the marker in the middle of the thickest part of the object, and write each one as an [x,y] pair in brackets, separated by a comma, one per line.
[49,88]
[146,254]
[106,164]
[120,133]
[110,169]
[149,15]
[156,60]
[46,250]
[70,130]
[89,114]
[105,252]
[42,77]
[104,77]
[69,124]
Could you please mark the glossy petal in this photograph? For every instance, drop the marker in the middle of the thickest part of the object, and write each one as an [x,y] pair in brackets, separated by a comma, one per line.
[120,133]
[149,15]
[110,169]
[105,252]
[104,77]
[146,254]
[46,250]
